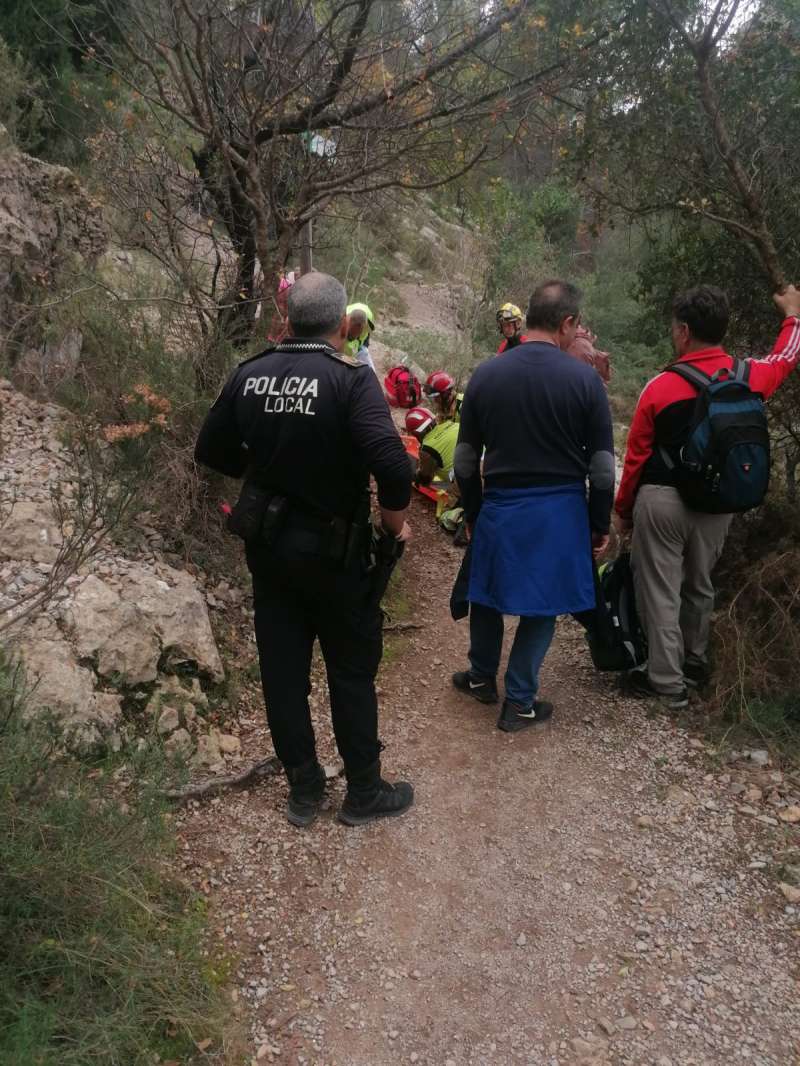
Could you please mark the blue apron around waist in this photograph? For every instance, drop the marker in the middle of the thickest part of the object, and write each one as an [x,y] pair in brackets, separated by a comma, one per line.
[531,551]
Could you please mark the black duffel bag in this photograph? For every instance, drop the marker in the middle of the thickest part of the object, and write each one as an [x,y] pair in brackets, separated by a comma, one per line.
[614,632]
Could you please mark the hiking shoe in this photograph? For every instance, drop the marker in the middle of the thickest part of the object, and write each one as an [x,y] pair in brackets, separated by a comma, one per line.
[482,689]
[306,792]
[696,674]
[514,717]
[384,801]
[636,683]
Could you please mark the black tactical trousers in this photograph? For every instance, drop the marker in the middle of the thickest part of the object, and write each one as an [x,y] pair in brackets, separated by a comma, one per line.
[300,597]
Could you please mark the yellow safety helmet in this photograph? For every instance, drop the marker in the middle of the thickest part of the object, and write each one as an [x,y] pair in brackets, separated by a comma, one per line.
[509,313]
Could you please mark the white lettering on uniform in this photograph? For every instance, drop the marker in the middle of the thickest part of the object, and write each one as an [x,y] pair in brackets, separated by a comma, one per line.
[292,396]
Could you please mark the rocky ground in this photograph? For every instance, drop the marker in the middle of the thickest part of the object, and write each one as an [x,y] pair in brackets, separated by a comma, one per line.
[117,643]
[604,889]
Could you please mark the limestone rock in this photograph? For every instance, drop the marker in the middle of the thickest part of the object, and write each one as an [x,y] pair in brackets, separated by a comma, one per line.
[60,685]
[58,682]
[791,893]
[170,695]
[47,220]
[176,609]
[679,797]
[55,359]
[179,744]
[30,533]
[208,752]
[115,631]
[229,744]
[169,721]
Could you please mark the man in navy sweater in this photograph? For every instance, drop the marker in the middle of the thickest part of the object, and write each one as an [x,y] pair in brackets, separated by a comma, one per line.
[544,422]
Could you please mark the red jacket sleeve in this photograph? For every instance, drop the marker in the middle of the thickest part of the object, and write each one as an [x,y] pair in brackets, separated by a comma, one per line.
[641,436]
[767,375]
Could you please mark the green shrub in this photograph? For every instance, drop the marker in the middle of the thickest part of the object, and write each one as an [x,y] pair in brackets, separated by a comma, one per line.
[103,959]
[21,104]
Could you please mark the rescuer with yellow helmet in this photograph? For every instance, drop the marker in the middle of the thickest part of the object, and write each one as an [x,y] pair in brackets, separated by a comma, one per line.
[509,322]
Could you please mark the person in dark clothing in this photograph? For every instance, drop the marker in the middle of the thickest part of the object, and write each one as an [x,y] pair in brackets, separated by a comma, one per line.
[305,427]
[544,422]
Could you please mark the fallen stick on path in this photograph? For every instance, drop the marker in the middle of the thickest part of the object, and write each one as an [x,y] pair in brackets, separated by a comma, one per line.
[394,627]
[212,785]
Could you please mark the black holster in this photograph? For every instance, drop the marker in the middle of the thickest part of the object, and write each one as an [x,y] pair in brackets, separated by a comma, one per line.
[385,551]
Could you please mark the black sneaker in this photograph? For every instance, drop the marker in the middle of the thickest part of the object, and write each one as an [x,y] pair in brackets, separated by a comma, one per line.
[482,689]
[384,801]
[696,674]
[515,717]
[636,683]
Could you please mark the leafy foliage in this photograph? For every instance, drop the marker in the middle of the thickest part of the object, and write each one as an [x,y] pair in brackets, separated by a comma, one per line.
[21,104]
[60,44]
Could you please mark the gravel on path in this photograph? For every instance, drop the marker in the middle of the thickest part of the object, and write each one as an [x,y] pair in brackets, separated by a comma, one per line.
[599,890]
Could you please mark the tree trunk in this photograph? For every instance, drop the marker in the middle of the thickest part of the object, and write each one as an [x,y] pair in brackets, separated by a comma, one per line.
[237,305]
[750,199]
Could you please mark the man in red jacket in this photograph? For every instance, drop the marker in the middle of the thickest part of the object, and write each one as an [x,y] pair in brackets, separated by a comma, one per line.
[675,549]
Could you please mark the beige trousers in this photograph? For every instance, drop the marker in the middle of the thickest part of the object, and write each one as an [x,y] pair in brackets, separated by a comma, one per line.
[673,553]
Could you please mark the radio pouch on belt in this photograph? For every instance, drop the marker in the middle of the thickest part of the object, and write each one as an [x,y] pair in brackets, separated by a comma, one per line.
[248,513]
[257,516]
[274,518]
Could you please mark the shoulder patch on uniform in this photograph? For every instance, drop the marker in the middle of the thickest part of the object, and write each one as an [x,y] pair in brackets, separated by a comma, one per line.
[340,357]
[257,355]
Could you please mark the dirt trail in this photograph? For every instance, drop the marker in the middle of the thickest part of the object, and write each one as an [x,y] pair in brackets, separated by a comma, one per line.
[596,890]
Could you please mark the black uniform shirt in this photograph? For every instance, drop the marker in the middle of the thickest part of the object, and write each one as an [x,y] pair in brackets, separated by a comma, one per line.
[310,425]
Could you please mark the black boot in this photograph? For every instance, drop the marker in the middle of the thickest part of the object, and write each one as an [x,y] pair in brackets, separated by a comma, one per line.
[370,797]
[306,789]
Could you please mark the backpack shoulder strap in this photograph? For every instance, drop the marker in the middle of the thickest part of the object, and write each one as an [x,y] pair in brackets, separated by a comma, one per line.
[741,371]
[690,373]
[695,377]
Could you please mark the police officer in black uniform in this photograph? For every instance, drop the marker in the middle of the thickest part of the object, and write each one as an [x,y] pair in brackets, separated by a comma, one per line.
[305,427]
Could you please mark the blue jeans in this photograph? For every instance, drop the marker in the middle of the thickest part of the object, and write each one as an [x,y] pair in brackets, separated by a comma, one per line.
[531,641]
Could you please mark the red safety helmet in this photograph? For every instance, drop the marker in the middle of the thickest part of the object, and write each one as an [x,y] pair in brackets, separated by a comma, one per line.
[419,420]
[402,388]
[439,383]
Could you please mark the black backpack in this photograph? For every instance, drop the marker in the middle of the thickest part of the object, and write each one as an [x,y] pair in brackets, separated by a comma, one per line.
[614,633]
[723,467]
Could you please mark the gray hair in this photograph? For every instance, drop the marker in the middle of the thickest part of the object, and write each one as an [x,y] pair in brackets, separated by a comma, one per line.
[552,302]
[316,303]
